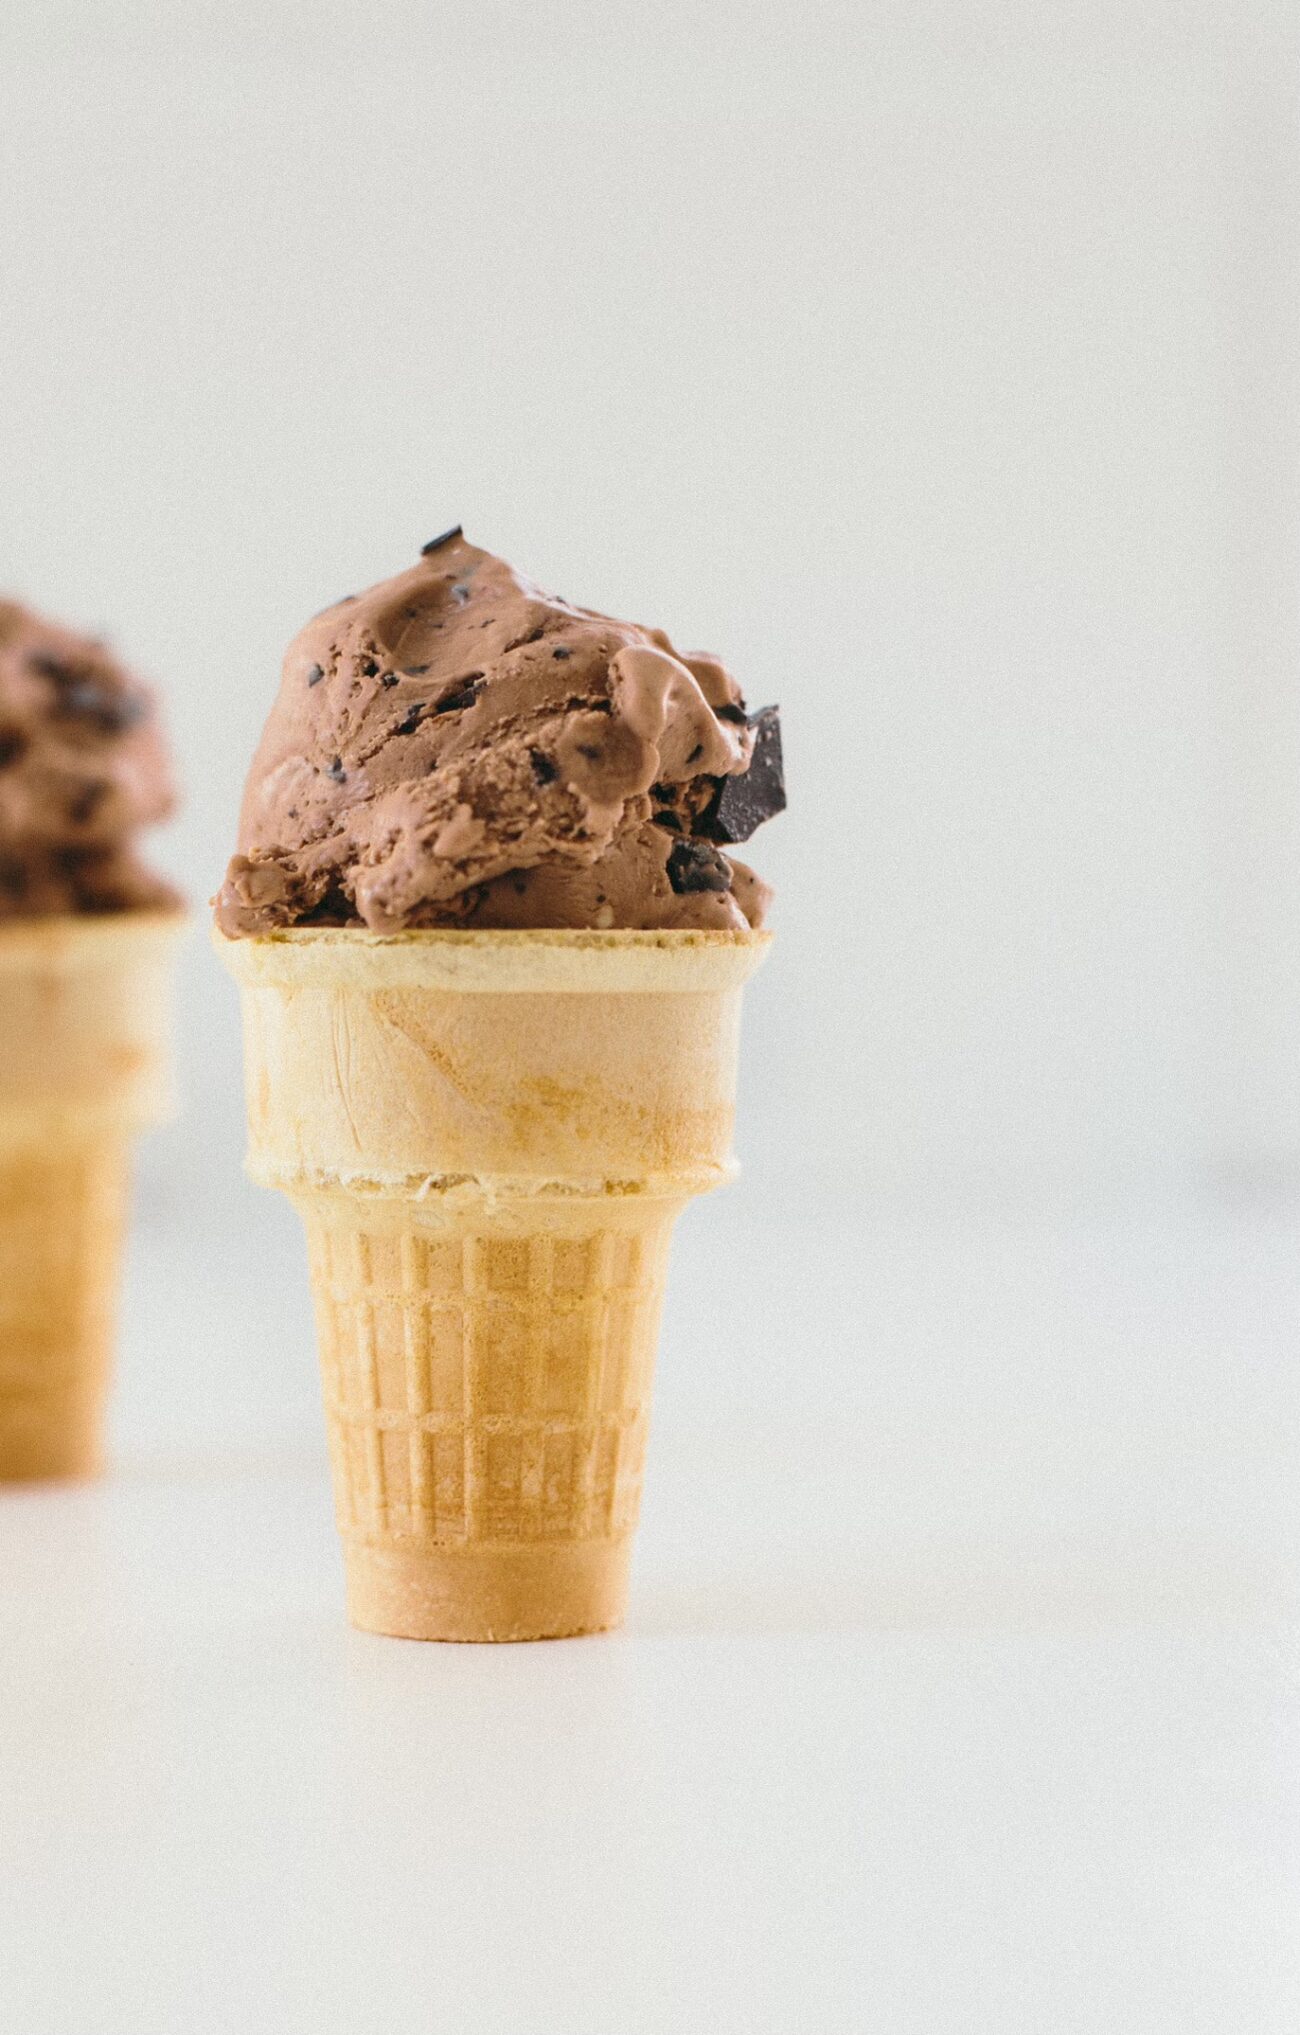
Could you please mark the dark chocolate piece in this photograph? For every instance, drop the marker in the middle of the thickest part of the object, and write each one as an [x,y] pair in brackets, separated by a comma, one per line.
[411,722]
[694,865]
[388,678]
[562,653]
[336,770]
[544,770]
[436,543]
[52,668]
[462,693]
[315,674]
[87,802]
[742,803]
[86,699]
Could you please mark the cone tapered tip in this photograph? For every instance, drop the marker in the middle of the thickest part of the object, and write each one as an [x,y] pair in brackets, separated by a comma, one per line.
[488,1593]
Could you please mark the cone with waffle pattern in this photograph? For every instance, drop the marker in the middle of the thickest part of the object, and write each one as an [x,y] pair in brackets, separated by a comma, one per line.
[84,1016]
[488,1136]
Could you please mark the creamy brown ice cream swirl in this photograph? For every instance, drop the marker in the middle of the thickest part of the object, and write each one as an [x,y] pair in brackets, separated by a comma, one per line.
[83,768]
[457,748]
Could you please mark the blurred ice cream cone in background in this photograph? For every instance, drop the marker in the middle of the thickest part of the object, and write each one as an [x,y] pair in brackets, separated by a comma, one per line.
[85,1066]
[86,940]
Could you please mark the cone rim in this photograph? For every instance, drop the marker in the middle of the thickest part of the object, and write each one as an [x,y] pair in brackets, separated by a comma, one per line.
[492,959]
[81,935]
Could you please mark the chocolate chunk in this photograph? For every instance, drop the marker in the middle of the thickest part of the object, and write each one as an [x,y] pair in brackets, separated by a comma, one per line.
[731,712]
[411,723]
[677,807]
[314,674]
[336,770]
[332,909]
[408,671]
[113,713]
[544,770]
[743,803]
[388,678]
[462,693]
[87,802]
[436,543]
[562,653]
[52,668]
[369,667]
[693,865]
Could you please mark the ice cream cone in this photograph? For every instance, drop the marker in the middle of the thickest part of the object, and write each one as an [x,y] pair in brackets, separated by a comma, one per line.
[488,1136]
[84,1010]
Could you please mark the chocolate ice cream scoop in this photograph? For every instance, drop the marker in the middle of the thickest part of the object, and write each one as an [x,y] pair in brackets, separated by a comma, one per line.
[83,768]
[457,748]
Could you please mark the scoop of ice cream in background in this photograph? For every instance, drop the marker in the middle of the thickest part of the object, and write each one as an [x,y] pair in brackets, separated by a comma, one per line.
[457,748]
[83,768]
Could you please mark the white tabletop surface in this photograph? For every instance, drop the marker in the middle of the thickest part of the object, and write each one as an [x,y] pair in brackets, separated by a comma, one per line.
[960,1690]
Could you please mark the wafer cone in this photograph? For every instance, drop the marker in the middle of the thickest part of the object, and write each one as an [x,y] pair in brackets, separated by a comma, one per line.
[84,1008]
[489,1136]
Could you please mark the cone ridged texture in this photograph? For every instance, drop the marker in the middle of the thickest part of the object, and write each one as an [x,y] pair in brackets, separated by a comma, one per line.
[488,1138]
[61,1223]
[486,1387]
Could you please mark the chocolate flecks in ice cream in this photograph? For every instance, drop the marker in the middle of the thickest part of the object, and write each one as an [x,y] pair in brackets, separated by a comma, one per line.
[83,768]
[694,865]
[457,748]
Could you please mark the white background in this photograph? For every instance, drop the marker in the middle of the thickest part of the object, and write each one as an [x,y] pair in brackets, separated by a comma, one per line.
[935,364]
